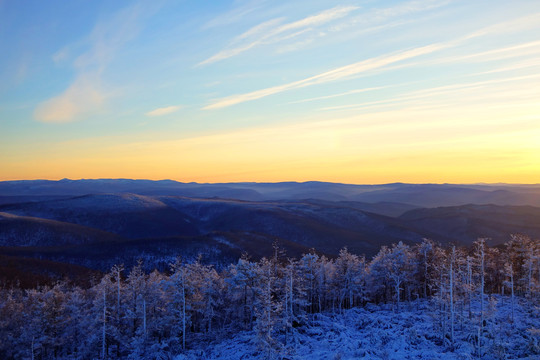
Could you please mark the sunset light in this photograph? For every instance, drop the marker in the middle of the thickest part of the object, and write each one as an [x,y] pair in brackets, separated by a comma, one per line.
[269,179]
[358,92]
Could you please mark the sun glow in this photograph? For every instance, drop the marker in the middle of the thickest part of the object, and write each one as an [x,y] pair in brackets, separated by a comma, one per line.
[299,93]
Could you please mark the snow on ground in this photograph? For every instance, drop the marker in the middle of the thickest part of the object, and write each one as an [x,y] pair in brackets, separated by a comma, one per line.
[377,332]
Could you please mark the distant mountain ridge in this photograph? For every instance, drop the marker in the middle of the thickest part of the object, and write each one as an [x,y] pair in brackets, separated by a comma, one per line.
[417,195]
[97,223]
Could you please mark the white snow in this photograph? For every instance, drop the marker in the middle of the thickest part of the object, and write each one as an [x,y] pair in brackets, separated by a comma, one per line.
[378,332]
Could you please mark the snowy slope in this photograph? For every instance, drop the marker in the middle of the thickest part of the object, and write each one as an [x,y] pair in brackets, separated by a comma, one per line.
[377,332]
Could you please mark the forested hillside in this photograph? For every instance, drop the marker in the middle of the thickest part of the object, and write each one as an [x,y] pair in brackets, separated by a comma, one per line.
[100,230]
[277,271]
[458,301]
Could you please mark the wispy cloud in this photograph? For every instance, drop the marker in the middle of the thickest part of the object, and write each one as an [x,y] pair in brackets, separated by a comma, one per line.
[376,63]
[384,18]
[351,92]
[340,73]
[163,111]
[259,30]
[86,93]
[61,55]
[274,31]
[508,27]
[271,32]
[468,91]
[520,50]
[234,15]
[516,66]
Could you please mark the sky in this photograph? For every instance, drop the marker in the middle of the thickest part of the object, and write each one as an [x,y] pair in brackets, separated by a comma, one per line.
[358,92]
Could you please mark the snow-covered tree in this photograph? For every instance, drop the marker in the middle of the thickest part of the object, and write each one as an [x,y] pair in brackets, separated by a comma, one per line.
[308,269]
[451,292]
[524,253]
[350,273]
[269,307]
[296,299]
[242,281]
[425,253]
[480,251]
[396,265]
[277,301]
[509,269]
[179,289]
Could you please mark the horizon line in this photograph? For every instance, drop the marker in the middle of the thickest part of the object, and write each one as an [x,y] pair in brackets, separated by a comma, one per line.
[275,182]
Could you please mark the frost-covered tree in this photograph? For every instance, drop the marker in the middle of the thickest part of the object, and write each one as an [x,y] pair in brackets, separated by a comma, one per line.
[326,275]
[308,269]
[242,281]
[480,251]
[350,273]
[509,269]
[460,289]
[451,292]
[158,315]
[179,290]
[295,302]
[136,297]
[22,331]
[524,253]
[424,251]
[268,311]
[469,283]
[429,257]
[99,330]
[379,278]
[205,294]
[79,319]
[396,265]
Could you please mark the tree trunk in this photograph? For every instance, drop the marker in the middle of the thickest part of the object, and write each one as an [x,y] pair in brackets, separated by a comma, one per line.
[104,334]
[183,311]
[512,285]
[469,287]
[452,296]
[398,283]
[425,273]
[144,316]
[481,301]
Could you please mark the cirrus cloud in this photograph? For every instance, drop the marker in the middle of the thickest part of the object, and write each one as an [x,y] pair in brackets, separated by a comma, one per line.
[84,96]
[163,111]
[272,32]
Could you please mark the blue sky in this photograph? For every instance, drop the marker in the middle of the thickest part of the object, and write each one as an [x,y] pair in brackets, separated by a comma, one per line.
[352,91]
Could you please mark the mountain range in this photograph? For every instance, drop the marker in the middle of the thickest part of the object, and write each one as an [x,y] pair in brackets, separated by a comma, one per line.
[95,224]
